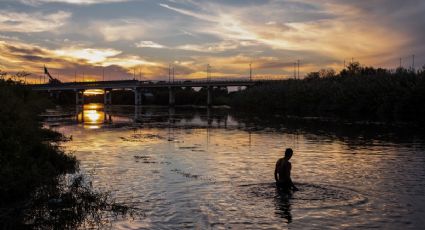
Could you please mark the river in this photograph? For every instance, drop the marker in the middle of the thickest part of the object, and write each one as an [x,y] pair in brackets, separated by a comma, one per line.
[213,169]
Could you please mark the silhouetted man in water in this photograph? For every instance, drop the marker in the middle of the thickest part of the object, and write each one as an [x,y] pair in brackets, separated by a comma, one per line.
[282,173]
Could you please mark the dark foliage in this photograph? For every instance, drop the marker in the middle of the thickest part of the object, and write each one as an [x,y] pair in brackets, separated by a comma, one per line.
[33,193]
[360,93]
[27,160]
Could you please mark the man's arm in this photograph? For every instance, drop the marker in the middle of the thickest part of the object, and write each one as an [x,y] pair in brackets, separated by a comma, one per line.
[276,170]
[291,184]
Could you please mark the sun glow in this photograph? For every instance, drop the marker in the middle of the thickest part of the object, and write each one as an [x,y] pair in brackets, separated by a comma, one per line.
[91,55]
[92,92]
[92,116]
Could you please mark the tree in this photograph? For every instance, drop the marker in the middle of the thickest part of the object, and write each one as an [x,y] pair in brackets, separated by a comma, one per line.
[2,74]
[327,73]
[354,68]
[312,75]
[20,76]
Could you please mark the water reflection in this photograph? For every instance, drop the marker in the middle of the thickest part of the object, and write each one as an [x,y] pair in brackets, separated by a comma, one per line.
[92,116]
[283,205]
[191,167]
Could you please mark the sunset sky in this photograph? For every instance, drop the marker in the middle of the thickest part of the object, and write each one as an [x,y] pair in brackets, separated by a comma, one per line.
[120,36]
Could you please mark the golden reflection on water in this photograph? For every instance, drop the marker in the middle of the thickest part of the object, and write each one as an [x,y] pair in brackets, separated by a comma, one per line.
[92,116]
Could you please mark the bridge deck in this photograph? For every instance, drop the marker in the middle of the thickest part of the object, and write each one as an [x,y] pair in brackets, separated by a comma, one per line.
[144,84]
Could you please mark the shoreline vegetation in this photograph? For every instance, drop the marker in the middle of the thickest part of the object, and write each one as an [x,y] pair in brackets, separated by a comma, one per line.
[356,93]
[41,186]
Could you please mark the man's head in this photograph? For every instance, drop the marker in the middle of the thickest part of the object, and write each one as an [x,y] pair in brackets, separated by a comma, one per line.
[288,153]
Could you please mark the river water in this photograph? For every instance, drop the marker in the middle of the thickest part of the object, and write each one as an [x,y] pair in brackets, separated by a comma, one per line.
[213,169]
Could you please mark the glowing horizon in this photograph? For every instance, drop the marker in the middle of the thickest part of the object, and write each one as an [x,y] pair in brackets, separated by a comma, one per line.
[120,39]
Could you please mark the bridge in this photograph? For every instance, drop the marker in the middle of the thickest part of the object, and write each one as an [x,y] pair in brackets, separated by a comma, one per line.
[138,86]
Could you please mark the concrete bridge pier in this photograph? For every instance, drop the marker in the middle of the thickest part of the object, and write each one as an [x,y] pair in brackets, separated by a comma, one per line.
[137,96]
[107,117]
[171,113]
[209,96]
[171,96]
[209,117]
[79,97]
[107,97]
[137,113]
[79,111]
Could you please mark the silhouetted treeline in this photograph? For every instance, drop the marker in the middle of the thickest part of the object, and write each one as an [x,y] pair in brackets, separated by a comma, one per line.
[356,92]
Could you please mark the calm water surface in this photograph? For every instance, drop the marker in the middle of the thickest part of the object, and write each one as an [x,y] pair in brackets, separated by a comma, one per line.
[207,169]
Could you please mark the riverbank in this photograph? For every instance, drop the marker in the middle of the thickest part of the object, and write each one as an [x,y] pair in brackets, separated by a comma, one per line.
[356,93]
[39,187]
[28,160]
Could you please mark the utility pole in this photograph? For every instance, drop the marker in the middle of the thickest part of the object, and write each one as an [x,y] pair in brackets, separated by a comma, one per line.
[134,73]
[250,71]
[140,73]
[208,72]
[298,71]
[169,72]
[413,62]
[173,75]
[295,75]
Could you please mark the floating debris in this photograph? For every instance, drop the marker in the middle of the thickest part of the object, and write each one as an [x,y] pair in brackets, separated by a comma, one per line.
[188,147]
[142,157]
[138,137]
[185,174]
[145,159]
[194,176]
